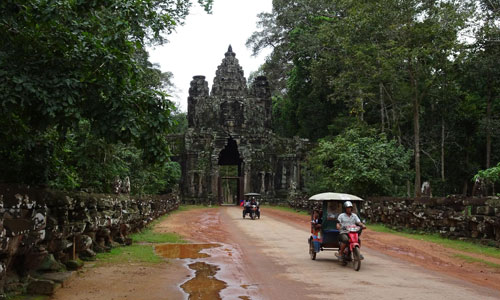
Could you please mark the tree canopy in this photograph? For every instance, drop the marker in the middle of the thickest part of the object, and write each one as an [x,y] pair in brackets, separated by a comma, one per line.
[68,64]
[359,161]
[422,72]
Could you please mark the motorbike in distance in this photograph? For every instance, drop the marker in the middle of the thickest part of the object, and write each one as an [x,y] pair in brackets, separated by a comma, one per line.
[251,206]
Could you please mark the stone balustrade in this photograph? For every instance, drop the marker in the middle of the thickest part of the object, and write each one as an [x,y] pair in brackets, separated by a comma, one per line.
[453,216]
[41,230]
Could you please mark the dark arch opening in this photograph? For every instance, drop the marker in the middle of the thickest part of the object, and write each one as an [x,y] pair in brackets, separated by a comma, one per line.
[230,180]
[230,154]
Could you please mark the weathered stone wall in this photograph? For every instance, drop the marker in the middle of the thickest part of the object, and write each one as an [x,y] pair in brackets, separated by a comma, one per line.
[40,230]
[453,216]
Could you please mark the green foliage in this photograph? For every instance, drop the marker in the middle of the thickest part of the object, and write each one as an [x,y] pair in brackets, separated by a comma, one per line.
[130,254]
[490,175]
[65,64]
[477,260]
[83,161]
[359,161]
[392,65]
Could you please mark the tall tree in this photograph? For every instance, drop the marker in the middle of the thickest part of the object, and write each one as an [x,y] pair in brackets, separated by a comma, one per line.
[65,61]
[367,52]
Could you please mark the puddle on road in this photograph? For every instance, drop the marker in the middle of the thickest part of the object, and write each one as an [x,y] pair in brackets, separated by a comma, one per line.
[204,285]
[183,250]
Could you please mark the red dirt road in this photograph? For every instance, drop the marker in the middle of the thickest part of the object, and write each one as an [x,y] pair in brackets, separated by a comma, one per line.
[268,259]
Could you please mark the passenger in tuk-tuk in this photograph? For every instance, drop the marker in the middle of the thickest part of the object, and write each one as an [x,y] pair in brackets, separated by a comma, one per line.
[346,219]
[316,221]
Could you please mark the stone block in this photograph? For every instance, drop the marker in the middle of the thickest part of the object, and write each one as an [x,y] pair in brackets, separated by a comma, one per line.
[57,277]
[493,202]
[50,264]
[73,265]
[42,287]
[485,210]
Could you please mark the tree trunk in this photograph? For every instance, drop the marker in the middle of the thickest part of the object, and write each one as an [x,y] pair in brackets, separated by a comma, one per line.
[416,133]
[488,132]
[466,182]
[382,106]
[442,150]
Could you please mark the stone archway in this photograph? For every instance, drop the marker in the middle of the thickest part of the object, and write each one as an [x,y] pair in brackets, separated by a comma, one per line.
[229,141]
[230,181]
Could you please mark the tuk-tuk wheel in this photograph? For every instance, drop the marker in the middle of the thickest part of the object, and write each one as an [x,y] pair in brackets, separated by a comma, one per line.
[312,253]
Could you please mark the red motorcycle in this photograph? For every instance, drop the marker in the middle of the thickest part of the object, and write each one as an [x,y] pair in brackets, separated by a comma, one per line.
[352,252]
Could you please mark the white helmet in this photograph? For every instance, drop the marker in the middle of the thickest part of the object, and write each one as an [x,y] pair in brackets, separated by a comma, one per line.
[347,204]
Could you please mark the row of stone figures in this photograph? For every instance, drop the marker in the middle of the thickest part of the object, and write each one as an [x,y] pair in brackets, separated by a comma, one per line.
[40,228]
[121,187]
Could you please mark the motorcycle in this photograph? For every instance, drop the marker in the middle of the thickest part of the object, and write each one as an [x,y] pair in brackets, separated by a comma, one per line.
[353,252]
[252,210]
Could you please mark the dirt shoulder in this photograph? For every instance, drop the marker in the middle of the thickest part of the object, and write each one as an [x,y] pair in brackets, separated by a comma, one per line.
[125,281]
[429,255]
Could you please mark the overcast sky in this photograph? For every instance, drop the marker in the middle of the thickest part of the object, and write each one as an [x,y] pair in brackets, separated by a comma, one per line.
[198,47]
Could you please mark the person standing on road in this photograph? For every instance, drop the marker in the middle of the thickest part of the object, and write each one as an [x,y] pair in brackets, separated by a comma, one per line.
[346,219]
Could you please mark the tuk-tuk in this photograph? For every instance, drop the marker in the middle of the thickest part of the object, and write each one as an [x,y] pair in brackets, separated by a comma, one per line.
[332,207]
[251,207]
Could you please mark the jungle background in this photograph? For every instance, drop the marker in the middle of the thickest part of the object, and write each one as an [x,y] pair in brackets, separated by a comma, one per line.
[392,92]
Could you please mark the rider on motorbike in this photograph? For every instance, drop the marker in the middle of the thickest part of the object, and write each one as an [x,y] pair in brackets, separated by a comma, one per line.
[256,203]
[346,219]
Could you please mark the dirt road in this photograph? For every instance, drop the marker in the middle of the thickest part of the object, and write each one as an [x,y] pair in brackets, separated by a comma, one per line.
[268,259]
[381,276]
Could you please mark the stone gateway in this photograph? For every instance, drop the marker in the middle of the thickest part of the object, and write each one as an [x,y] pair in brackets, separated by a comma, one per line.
[229,148]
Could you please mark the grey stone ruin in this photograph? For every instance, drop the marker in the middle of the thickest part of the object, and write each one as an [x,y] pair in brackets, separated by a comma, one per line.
[229,148]
[426,189]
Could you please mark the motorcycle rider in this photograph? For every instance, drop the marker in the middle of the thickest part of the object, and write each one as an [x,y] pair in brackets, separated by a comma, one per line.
[346,219]
[254,202]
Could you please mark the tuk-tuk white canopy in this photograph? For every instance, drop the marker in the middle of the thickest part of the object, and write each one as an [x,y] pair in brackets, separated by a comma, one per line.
[335,197]
[252,194]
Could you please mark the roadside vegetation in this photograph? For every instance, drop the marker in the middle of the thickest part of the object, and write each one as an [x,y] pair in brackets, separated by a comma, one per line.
[81,101]
[477,260]
[466,246]
[416,80]
[28,297]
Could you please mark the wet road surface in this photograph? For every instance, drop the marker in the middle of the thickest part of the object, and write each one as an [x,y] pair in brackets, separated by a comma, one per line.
[236,258]
[272,258]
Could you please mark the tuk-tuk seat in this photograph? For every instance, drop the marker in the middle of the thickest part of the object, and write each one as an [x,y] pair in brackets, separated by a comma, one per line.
[331,237]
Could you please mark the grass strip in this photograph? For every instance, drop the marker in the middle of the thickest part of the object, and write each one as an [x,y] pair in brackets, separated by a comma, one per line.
[287,209]
[477,260]
[27,297]
[465,246]
[130,254]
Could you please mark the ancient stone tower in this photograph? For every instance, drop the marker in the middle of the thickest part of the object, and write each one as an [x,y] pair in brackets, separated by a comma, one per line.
[229,148]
